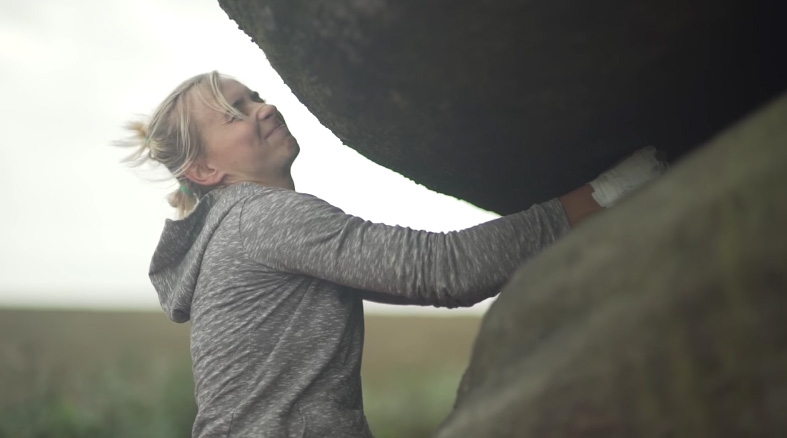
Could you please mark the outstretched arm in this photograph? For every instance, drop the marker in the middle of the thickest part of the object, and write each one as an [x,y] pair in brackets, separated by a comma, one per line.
[298,233]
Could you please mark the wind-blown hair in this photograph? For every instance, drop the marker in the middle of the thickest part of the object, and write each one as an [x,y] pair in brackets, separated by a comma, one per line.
[171,136]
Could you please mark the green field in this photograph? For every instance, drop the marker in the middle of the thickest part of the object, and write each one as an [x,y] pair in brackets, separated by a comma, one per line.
[66,374]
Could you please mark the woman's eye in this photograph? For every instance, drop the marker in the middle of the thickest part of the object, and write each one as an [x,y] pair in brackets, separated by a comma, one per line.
[229,118]
[256,97]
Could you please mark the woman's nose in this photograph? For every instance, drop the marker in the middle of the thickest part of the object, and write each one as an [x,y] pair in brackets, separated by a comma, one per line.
[265,111]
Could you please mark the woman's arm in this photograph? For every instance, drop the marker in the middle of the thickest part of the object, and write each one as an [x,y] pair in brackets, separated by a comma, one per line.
[301,234]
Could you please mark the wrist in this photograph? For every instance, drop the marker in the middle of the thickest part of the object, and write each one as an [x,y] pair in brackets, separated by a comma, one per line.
[627,176]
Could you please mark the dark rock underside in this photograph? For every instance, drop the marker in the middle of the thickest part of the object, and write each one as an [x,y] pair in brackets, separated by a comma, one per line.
[506,103]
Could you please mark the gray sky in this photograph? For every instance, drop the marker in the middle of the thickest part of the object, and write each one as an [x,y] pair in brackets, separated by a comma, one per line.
[77,228]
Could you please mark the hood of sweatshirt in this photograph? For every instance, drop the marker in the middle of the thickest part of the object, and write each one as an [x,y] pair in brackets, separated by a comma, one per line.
[176,262]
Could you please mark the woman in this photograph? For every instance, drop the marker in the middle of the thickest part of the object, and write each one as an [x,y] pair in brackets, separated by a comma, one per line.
[272,280]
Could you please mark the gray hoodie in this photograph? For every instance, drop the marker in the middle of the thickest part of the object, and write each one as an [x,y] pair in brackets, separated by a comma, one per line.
[272,281]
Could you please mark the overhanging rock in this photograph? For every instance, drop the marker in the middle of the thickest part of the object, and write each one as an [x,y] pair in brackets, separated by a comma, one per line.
[507,103]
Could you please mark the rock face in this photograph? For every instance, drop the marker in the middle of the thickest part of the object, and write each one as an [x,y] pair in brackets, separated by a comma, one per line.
[508,102]
[662,317]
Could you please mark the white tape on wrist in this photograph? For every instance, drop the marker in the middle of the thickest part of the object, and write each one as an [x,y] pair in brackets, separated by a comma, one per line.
[629,175]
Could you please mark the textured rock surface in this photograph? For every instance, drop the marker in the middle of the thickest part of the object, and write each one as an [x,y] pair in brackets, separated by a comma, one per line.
[508,102]
[663,317]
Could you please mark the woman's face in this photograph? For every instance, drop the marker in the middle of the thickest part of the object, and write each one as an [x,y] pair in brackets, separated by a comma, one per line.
[258,149]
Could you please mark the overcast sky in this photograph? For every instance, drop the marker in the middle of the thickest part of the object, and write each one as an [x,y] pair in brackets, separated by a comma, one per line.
[77,228]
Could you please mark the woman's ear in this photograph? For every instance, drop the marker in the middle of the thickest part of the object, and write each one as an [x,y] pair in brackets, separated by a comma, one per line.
[200,172]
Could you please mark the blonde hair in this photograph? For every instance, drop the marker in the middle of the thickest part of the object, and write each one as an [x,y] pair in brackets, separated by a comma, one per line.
[172,137]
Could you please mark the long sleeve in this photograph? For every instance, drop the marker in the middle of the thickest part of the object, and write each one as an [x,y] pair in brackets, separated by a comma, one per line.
[301,234]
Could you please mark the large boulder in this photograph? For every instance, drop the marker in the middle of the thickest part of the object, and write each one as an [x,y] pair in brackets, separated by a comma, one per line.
[662,317]
[508,102]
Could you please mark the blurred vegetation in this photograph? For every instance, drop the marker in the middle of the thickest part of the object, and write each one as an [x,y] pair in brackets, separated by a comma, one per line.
[69,374]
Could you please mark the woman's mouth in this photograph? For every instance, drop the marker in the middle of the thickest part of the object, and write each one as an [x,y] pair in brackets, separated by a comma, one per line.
[280,127]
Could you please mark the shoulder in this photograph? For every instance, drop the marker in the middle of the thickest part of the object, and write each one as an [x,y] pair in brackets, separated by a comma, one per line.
[257,202]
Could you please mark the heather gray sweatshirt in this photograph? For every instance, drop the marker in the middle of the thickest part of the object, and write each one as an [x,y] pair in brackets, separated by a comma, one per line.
[272,281]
